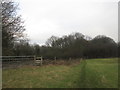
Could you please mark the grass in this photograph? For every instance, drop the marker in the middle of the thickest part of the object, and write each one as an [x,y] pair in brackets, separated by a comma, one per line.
[90,73]
[101,73]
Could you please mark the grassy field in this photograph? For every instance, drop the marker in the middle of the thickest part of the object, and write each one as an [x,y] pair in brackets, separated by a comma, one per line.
[91,73]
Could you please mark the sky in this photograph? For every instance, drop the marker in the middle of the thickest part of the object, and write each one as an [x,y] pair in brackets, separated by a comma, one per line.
[44,18]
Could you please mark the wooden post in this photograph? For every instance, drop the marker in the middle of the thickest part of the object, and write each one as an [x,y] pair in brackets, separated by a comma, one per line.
[41,60]
[70,59]
[55,60]
[34,58]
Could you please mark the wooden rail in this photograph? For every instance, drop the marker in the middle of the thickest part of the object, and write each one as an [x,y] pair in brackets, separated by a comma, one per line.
[16,58]
[20,60]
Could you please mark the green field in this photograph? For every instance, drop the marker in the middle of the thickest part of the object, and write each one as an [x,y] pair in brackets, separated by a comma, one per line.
[90,73]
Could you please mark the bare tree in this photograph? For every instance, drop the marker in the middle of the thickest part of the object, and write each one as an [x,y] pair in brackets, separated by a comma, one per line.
[51,41]
[12,26]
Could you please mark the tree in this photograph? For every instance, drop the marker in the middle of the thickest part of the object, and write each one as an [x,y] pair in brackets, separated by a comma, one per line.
[23,48]
[102,46]
[76,45]
[51,41]
[12,26]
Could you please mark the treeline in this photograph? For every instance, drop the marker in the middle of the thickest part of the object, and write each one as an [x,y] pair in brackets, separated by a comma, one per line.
[75,45]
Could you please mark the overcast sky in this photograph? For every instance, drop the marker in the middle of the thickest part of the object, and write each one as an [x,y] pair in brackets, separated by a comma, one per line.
[44,18]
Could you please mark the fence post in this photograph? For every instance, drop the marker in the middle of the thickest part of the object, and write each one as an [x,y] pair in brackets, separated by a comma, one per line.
[55,60]
[41,60]
[34,59]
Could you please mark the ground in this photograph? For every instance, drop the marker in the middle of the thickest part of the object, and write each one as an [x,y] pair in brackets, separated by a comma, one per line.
[89,73]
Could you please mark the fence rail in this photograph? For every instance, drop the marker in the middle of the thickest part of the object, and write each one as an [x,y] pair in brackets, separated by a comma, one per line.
[16,61]
[17,58]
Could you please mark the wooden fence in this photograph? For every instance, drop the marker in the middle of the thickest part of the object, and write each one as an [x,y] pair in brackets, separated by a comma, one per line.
[16,61]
